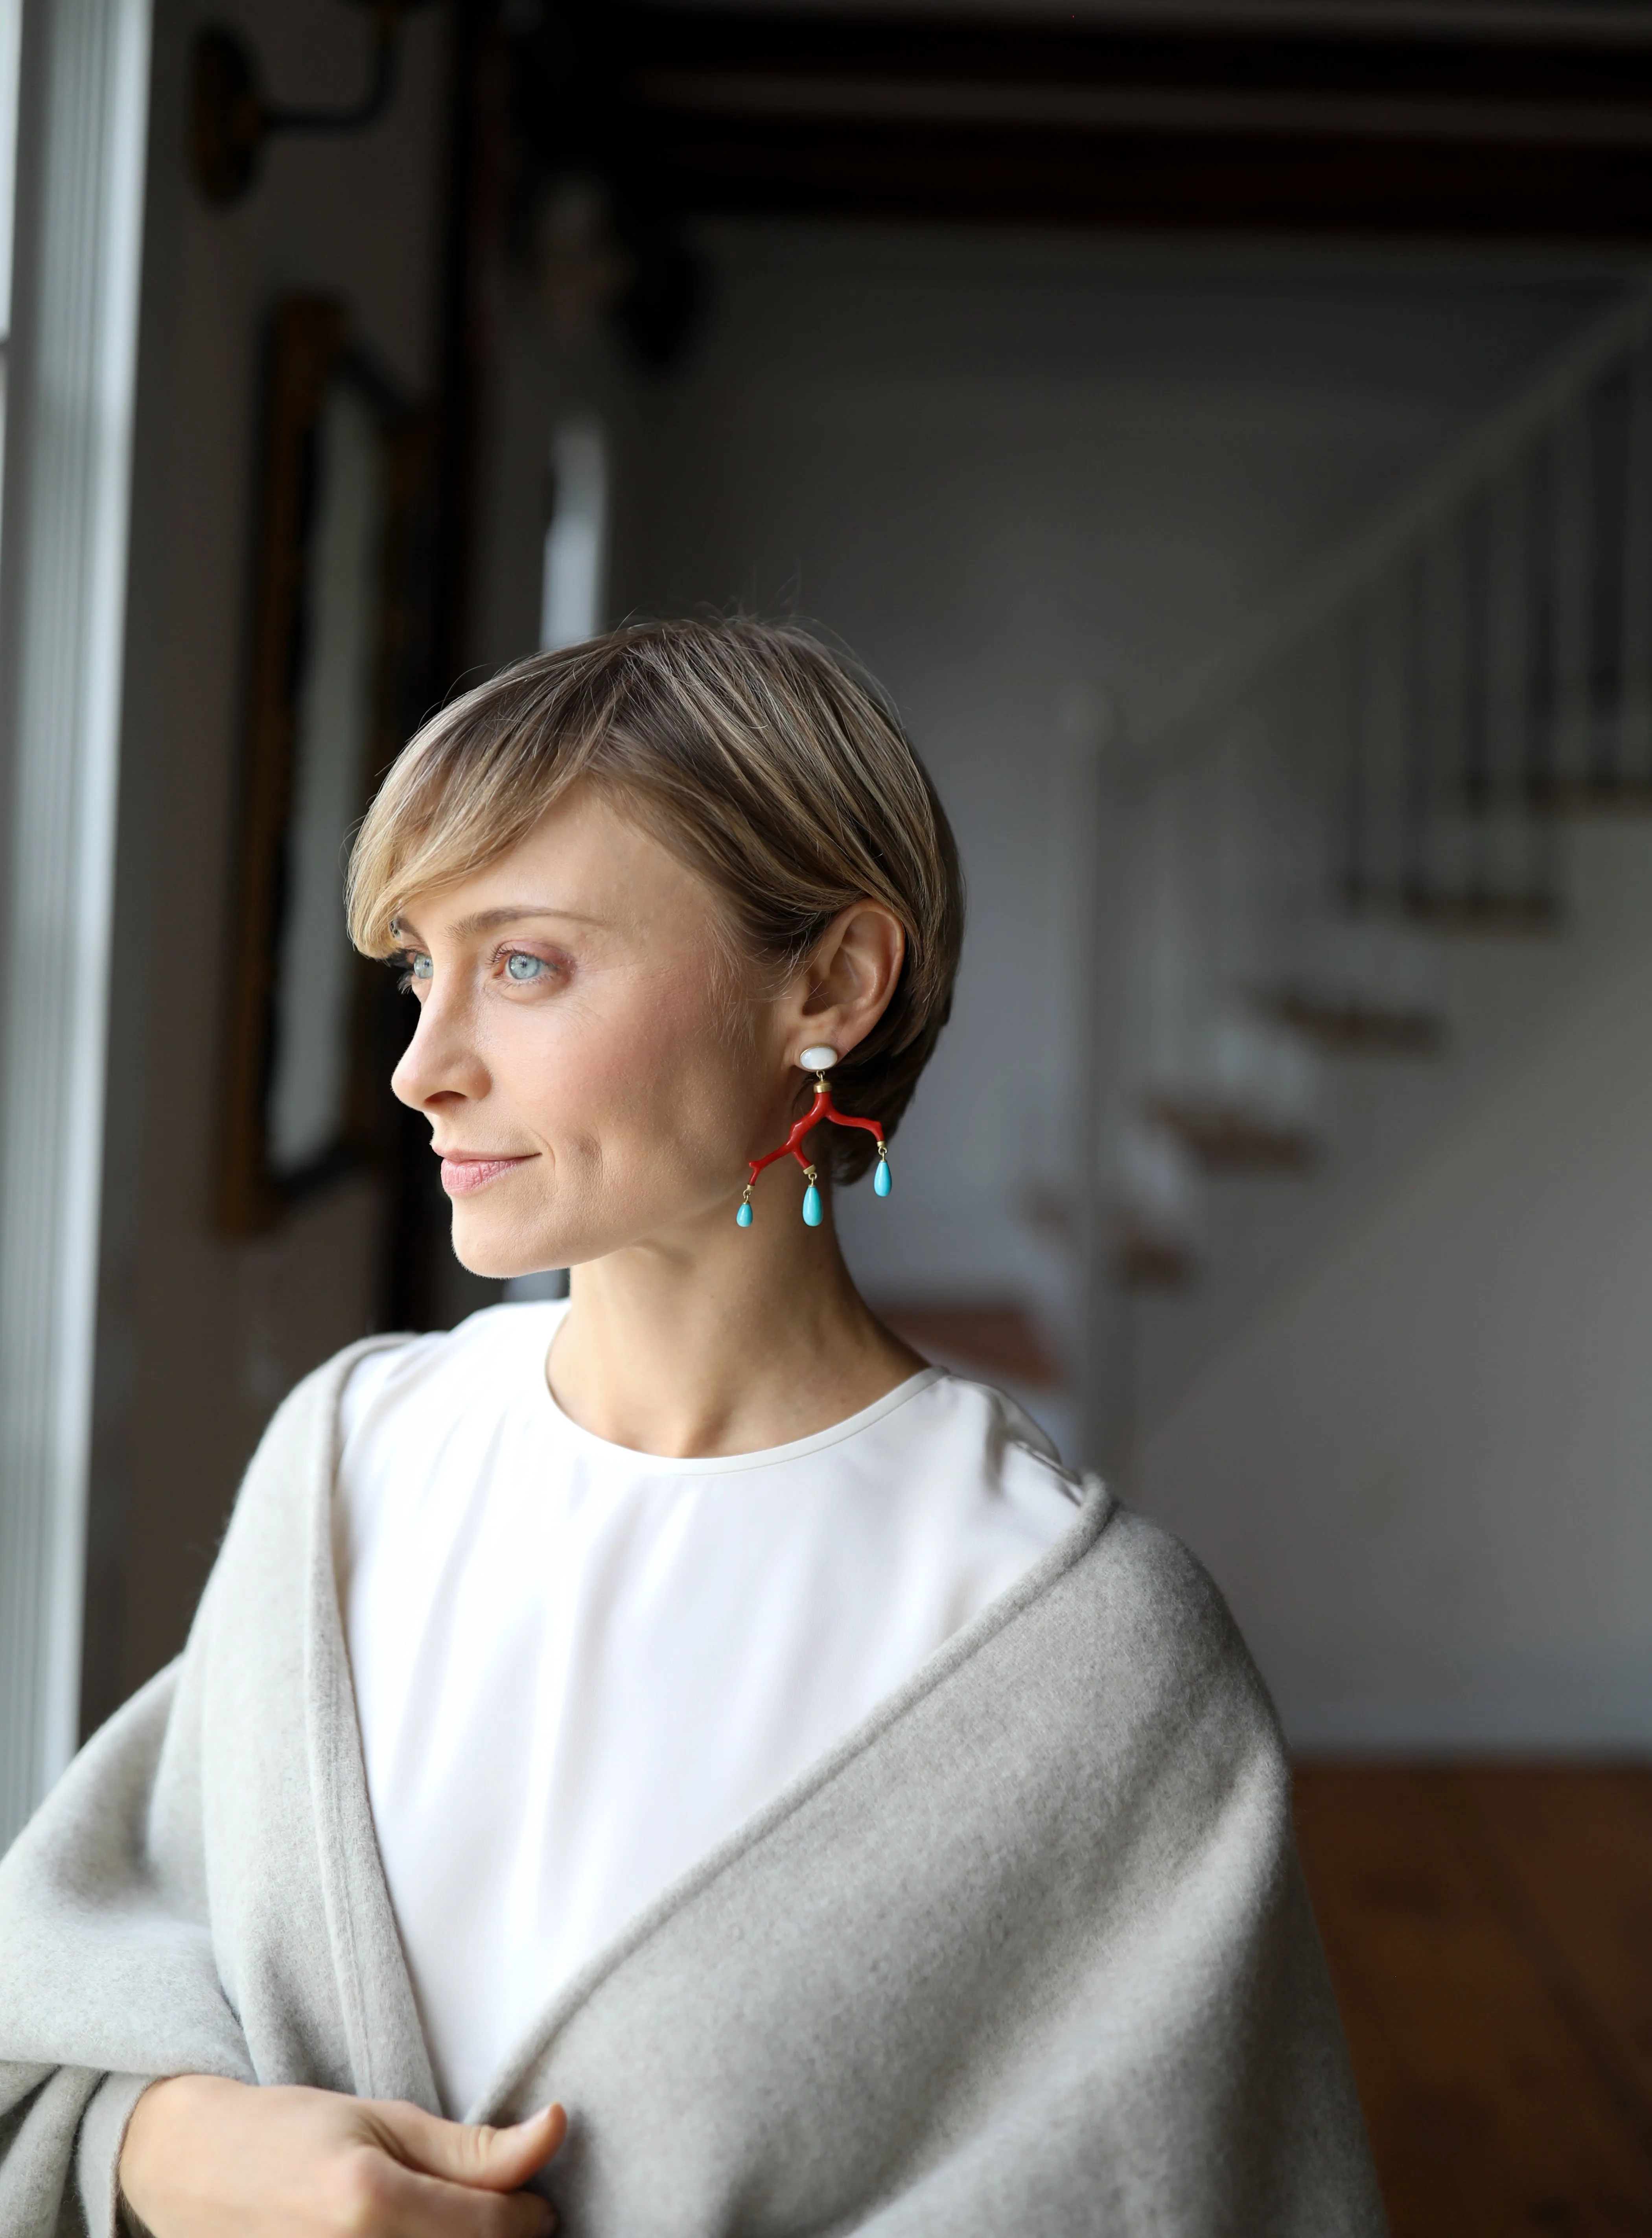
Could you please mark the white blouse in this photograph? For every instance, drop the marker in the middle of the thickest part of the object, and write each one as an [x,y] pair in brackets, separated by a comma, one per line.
[577,1668]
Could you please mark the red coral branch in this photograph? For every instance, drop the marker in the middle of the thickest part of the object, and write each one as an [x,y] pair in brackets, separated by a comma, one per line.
[822,1108]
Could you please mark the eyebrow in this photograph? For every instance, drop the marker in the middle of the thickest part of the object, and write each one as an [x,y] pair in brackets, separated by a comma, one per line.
[467,927]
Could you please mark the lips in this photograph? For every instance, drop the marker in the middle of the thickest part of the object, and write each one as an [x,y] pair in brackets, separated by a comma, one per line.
[462,1174]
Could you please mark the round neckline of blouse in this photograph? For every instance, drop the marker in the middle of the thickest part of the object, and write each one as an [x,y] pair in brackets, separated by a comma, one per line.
[727,1464]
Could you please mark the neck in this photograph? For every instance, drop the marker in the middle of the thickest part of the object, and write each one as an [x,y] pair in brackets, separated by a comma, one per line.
[722,1343]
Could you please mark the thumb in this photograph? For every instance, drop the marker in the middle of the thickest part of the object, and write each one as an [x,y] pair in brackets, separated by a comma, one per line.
[471,2152]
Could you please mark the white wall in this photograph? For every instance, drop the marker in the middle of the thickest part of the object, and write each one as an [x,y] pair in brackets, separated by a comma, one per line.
[1424,1475]
[998,469]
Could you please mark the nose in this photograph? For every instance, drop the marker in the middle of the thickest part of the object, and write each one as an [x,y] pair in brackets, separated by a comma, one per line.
[442,1062]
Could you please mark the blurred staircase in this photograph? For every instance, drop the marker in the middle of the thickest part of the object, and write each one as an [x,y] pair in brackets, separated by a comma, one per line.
[1370,851]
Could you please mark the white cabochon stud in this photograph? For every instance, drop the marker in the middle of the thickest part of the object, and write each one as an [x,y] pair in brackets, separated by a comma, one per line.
[818,1059]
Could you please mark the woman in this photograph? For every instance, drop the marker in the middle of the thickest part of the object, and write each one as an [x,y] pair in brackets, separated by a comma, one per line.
[684,1705]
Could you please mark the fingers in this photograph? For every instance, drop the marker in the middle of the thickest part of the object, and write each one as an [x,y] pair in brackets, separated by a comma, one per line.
[394,2197]
[468,2152]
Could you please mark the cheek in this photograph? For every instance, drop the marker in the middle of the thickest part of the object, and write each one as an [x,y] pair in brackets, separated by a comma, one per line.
[657,1074]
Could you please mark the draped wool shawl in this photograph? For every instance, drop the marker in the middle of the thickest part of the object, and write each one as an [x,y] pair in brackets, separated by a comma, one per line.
[1029,1951]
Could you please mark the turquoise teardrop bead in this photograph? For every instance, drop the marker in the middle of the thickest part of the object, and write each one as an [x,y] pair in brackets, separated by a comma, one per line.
[743,1217]
[881,1183]
[813,1211]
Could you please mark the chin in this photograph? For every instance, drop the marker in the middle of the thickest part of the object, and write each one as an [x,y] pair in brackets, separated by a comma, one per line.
[481,1248]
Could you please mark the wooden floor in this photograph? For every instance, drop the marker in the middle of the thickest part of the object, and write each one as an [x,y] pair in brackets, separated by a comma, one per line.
[1489,1933]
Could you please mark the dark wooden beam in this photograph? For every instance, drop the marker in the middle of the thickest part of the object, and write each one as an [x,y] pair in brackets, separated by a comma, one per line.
[1310,184]
[1536,125]
[1550,66]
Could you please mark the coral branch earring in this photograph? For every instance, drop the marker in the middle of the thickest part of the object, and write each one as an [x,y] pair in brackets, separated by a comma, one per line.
[819,1061]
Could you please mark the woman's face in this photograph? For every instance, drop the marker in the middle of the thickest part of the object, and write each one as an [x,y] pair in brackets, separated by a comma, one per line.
[595,1072]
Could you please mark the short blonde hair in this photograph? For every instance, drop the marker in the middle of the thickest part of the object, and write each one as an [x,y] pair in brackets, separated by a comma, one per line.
[764,761]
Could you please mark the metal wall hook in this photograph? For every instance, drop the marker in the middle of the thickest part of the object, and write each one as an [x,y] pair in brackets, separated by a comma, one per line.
[230,117]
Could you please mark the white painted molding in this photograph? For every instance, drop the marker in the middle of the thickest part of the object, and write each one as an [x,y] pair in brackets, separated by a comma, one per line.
[85,113]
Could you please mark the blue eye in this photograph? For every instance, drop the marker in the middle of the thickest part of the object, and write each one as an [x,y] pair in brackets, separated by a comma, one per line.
[421,968]
[524,968]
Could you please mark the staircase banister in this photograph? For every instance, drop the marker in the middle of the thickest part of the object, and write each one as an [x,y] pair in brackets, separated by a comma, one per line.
[1179,723]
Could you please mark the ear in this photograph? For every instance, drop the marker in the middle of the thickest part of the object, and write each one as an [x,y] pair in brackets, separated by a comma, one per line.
[844,987]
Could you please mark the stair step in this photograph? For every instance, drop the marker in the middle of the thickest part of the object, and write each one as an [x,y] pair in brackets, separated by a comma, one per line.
[1150,1258]
[1502,914]
[1446,909]
[1232,1138]
[1601,795]
[1000,1336]
[1355,1025]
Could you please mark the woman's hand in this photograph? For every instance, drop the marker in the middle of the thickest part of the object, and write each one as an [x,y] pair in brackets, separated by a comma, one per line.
[204,2158]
